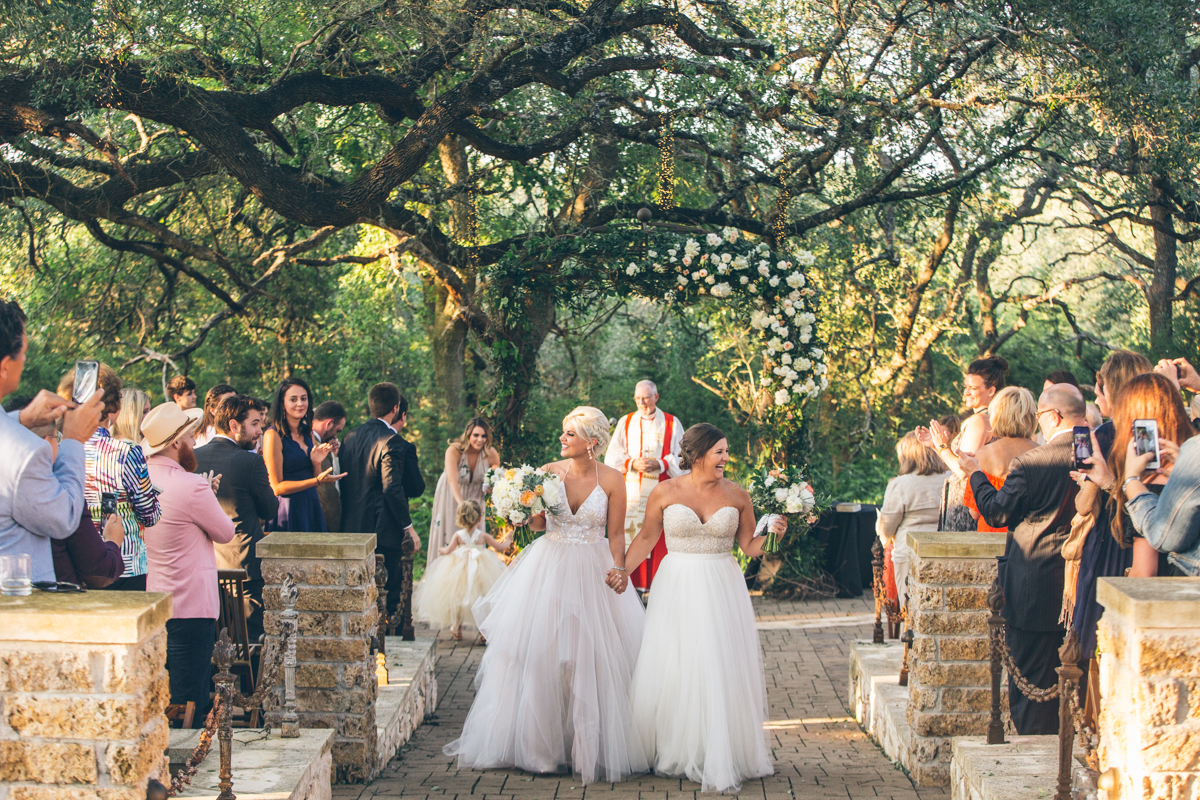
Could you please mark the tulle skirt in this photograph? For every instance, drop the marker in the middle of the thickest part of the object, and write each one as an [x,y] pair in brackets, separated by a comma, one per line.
[699,691]
[552,691]
[453,583]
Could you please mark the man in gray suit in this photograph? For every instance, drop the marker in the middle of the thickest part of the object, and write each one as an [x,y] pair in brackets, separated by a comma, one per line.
[1036,504]
[245,493]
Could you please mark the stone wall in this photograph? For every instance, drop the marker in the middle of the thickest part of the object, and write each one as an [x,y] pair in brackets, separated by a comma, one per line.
[1149,645]
[83,685]
[335,672]
[949,674]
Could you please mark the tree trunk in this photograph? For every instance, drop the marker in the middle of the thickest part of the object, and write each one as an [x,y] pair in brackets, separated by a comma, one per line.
[519,337]
[1166,262]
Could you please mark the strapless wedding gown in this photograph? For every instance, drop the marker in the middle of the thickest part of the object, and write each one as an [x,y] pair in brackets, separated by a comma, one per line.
[699,692]
[552,691]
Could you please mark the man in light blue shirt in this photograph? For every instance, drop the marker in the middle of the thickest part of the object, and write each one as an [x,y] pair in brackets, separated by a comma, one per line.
[40,498]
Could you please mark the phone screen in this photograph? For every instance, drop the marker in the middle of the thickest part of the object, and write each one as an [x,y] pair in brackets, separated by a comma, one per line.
[1082,436]
[1145,440]
[108,505]
[86,374]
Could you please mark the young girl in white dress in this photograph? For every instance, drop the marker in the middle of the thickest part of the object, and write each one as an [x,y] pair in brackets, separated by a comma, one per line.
[699,693]
[552,691]
[452,585]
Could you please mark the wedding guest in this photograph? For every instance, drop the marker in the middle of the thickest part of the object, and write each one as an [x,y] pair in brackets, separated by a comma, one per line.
[1119,368]
[1060,376]
[1034,504]
[180,552]
[293,459]
[465,464]
[328,421]
[381,476]
[181,390]
[984,377]
[244,493]
[911,502]
[135,405]
[212,399]
[41,493]
[1093,416]
[117,480]
[1013,414]
[645,447]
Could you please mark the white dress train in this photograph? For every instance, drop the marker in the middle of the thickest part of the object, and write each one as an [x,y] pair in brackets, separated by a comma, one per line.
[699,692]
[552,691]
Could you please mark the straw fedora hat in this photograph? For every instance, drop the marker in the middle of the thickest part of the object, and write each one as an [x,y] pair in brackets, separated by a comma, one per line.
[163,426]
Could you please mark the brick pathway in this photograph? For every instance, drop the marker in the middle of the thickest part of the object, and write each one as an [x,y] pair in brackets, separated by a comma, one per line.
[819,750]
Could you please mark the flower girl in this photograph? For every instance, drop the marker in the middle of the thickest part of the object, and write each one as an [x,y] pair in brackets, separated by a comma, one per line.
[452,585]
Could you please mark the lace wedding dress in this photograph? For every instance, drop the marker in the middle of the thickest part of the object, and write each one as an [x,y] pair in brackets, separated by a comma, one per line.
[552,691]
[699,692]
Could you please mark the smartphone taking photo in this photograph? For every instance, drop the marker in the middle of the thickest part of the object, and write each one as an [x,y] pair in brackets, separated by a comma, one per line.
[1082,444]
[86,375]
[108,506]
[1145,440]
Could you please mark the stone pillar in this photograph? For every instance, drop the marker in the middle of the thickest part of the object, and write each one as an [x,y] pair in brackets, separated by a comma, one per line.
[335,673]
[1149,646]
[83,685]
[949,677]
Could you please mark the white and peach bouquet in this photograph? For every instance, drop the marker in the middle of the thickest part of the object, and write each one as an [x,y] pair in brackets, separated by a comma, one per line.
[787,493]
[519,493]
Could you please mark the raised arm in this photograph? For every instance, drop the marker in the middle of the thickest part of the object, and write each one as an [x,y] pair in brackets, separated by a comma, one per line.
[272,451]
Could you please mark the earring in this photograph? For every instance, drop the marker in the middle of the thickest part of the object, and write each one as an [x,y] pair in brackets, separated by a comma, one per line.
[591,457]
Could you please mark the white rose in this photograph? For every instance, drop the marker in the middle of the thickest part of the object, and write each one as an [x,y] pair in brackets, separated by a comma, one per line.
[769,482]
[653,254]
[710,279]
[726,258]
[758,320]
[765,271]
[730,234]
[682,279]
[787,381]
[785,358]
[794,505]
[795,280]
[782,265]
[782,397]
[740,263]
[805,257]
[805,338]
[691,248]
[712,240]
[803,364]
[631,269]
[672,251]
[817,352]
[791,312]
[781,493]
[774,281]
[807,318]
[743,280]
[722,290]
[687,261]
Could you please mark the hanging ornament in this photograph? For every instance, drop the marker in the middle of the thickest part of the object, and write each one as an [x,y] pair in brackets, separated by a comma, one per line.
[665,194]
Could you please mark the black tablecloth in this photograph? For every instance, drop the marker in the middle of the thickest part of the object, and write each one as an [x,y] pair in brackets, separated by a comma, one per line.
[847,538]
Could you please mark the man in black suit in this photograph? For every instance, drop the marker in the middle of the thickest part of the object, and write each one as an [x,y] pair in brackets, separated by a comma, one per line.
[245,493]
[381,476]
[1036,504]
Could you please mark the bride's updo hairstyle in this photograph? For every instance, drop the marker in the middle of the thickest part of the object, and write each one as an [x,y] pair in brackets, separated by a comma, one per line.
[590,423]
[698,440]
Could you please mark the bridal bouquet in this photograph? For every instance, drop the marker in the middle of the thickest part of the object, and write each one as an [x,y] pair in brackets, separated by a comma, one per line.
[787,493]
[518,493]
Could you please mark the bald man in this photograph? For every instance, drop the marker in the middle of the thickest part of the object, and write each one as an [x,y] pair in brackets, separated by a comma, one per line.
[644,446]
[1036,504]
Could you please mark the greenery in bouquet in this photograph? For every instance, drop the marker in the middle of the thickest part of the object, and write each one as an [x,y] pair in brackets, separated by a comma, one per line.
[519,493]
[785,492]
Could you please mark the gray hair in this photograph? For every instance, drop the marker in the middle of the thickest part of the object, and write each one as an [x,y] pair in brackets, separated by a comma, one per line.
[648,384]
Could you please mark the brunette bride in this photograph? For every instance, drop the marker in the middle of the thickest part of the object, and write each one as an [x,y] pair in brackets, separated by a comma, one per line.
[699,693]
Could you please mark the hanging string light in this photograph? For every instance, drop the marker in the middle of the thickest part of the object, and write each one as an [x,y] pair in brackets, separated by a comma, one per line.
[665,194]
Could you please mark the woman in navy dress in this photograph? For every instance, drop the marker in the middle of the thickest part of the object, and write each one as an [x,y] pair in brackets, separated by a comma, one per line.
[293,462]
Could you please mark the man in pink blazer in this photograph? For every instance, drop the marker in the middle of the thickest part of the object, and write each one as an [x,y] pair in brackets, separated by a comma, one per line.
[179,550]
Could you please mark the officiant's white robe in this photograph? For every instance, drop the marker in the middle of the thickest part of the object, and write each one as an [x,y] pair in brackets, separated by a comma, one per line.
[637,437]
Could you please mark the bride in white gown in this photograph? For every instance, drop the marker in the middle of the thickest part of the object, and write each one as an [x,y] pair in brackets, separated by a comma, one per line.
[699,693]
[552,691]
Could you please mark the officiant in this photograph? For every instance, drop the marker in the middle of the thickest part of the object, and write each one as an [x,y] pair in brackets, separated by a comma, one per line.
[645,446]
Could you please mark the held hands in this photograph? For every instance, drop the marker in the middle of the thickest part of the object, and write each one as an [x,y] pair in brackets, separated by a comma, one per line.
[617,580]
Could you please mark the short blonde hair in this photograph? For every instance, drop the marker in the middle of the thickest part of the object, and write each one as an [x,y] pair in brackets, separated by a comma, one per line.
[590,423]
[1095,420]
[916,457]
[467,514]
[1013,413]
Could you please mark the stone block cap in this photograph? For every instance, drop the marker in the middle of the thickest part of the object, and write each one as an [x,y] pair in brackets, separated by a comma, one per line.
[956,544]
[287,544]
[1152,602]
[88,618]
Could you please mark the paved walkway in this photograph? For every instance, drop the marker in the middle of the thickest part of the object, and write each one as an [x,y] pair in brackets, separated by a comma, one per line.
[820,752]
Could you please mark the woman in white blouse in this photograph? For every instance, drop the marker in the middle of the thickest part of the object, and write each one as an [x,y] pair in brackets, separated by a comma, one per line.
[911,502]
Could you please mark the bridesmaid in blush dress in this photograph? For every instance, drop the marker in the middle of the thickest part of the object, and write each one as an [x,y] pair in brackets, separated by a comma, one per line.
[293,462]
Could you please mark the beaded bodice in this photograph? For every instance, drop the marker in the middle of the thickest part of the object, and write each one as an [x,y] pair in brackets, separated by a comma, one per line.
[586,526]
[687,534]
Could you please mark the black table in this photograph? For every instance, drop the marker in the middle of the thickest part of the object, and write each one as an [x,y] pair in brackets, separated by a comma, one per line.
[846,538]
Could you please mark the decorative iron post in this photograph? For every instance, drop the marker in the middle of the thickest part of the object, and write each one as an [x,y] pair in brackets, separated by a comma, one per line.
[381,577]
[223,656]
[907,638]
[878,586]
[1068,679]
[406,590]
[290,729]
[995,601]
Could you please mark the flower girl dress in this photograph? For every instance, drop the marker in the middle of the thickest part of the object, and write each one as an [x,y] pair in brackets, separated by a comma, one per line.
[699,691]
[455,581]
[552,691]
